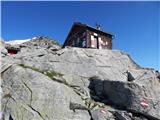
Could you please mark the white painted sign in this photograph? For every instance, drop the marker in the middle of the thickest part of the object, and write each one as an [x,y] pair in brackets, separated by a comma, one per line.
[95,34]
[100,42]
[92,37]
[92,41]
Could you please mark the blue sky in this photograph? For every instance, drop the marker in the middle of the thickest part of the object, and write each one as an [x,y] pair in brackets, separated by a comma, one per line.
[136,25]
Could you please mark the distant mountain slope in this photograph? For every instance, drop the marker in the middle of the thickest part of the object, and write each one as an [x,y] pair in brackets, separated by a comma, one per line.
[42,41]
[35,42]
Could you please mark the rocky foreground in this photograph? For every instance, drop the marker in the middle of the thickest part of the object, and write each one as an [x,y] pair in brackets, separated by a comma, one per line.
[49,83]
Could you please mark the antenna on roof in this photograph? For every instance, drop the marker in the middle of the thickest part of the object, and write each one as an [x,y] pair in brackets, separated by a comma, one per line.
[98,26]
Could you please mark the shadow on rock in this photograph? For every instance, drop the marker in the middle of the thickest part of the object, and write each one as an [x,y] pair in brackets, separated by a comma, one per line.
[110,93]
[128,96]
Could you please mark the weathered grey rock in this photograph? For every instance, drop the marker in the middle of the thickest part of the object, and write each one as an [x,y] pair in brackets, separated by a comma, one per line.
[123,115]
[102,114]
[30,95]
[42,42]
[120,83]
[3,50]
[141,96]
[86,63]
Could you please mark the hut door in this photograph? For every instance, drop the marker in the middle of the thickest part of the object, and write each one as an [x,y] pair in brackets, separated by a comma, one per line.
[94,42]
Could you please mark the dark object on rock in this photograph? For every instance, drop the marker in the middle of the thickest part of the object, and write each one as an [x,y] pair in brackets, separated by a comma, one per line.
[130,78]
[158,76]
[10,117]
[12,49]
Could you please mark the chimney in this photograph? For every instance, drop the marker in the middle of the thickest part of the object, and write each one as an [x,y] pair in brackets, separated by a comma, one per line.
[98,26]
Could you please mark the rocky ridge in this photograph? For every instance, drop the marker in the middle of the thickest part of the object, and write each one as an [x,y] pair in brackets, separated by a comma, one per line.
[49,83]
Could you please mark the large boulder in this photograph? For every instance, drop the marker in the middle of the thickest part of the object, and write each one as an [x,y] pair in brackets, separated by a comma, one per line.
[31,95]
[140,96]
[86,63]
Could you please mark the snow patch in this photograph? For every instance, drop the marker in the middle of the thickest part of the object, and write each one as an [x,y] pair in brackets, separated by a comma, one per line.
[34,38]
[15,42]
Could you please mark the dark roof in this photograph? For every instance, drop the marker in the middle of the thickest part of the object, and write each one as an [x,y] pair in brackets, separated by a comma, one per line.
[90,28]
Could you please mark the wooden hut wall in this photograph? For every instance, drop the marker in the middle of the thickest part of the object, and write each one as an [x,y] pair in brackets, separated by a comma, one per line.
[77,37]
[104,41]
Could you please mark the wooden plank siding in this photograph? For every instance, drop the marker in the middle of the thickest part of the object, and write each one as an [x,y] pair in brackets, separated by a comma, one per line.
[75,31]
[104,38]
